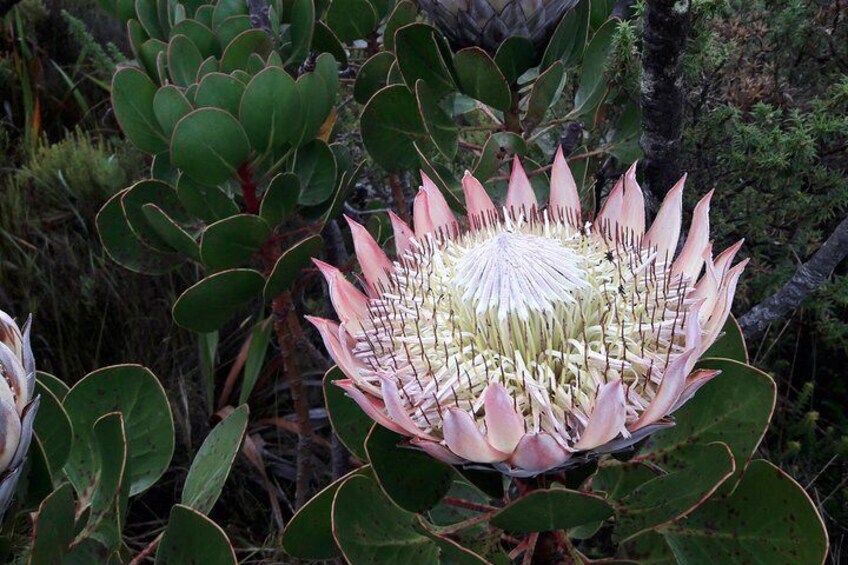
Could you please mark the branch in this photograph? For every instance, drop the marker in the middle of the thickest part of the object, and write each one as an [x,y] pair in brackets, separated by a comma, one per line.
[661,97]
[808,278]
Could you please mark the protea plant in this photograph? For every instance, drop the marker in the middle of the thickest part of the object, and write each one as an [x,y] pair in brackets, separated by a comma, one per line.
[487,23]
[522,336]
[17,408]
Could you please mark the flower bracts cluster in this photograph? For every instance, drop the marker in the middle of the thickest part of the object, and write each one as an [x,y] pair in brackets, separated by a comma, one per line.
[522,336]
[17,408]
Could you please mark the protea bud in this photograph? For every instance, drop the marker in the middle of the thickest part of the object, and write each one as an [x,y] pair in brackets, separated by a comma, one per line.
[17,409]
[523,337]
[486,23]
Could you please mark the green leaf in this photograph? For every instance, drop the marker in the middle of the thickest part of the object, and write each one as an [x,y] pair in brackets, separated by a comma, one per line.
[309,533]
[151,192]
[325,41]
[420,58]
[372,76]
[53,427]
[238,52]
[199,34]
[52,383]
[349,422]
[122,245]
[618,480]
[54,527]
[169,105]
[136,35]
[514,57]
[210,65]
[212,464]
[209,145]
[368,528]
[280,198]
[269,109]
[259,339]
[443,179]
[569,38]
[302,29]
[204,307]
[315,167]
[480,78]
[443,132]
[232,241]
[37,481]
[768,519]
[731,344]
[109,497]
[734,408]
[648,549]
[225,9]
[352,19]
[593,85]
[404,13]
[209,203]
[291,262]
[546,89]
[410,478]
[184,59]
[175,236]
[230,28]
[191,537]
[499,144]
[672,496]
[217,90]
[551,509]
[391,125]
[136,393]
[132,98]
[148,55]
[148,15]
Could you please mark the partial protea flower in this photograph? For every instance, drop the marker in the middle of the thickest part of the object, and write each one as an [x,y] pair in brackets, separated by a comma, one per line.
[522,337]
[486,23]
[17,409]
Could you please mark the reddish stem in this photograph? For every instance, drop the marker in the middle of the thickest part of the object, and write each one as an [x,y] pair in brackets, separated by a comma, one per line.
[468,504]
[248,189]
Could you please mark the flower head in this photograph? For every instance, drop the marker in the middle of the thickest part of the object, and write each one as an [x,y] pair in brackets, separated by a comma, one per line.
[487,23]
[17,409]
[523,337]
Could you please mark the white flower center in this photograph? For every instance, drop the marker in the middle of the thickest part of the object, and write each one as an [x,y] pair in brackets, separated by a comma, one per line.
[518,273]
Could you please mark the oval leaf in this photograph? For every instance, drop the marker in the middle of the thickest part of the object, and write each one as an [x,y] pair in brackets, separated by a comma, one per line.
[136,393]
[551,509]
[349,422]
[480,78]
[191,537]
[768,519]
[291,262]
[132,98]
[205,306]
[209,145]
[411,478]
[368,528]
[232,241]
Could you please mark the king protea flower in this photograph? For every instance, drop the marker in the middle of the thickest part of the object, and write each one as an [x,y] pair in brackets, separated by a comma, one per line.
[17,409]
[523,337]
[486,23]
